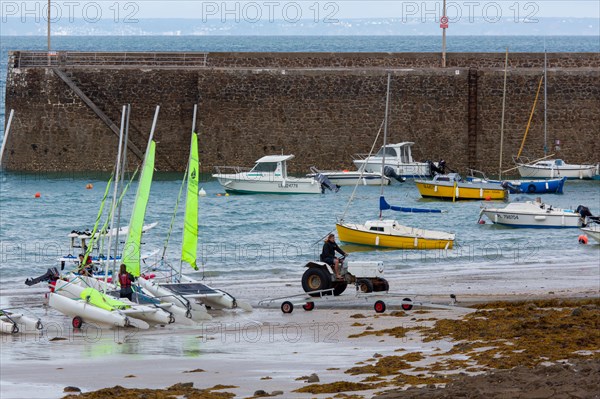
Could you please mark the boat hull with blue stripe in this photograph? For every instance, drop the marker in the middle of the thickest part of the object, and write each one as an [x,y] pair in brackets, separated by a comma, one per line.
[532,214]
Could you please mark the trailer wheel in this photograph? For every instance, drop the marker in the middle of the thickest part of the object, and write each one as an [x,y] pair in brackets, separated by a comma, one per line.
[406,306]
[308,306]
[339,287]
[379,306]
[287,307]
[381,284]
[77,322]
[315,279]
[364,285]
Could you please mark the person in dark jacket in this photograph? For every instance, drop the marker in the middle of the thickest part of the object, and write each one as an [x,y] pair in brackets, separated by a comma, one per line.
[330,247]
[85,268]
[125,281]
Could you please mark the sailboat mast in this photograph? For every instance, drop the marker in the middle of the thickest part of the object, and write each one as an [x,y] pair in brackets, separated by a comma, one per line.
[385,126]
[545,105]
[115,195]
[502,120]
[121,178]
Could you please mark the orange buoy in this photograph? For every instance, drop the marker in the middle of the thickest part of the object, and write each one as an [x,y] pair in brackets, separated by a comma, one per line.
[89,186]
[481,221]
[488,198]
[583,239]
[219,194]
[37,195]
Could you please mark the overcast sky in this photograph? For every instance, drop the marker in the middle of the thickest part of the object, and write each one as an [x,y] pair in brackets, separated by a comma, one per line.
[372,9]
[318,9]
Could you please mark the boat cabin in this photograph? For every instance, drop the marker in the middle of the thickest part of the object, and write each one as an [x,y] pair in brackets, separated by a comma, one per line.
[274,165]
[381,226]
[450,177]
[400,151]
[550,163]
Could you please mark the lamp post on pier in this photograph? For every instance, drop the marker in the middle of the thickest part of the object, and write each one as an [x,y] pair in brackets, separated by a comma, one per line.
[48,26]
[444,26]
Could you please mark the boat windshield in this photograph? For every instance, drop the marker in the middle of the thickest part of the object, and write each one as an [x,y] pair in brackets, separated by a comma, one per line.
[265,167]
[389,152]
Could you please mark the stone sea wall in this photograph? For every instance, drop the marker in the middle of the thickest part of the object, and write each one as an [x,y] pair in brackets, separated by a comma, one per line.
[322,107]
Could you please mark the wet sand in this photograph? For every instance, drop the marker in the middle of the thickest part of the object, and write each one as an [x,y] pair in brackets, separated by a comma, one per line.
[266,349]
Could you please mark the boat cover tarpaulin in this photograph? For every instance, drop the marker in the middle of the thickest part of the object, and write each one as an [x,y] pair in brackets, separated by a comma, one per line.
[383,206]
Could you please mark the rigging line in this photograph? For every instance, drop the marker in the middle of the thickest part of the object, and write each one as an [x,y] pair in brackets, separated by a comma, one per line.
[362,171]
[322,238]
[98,217]
[105,225]
[537,94]
[166,244]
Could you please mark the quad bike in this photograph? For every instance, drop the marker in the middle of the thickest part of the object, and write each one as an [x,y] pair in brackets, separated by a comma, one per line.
[366,276]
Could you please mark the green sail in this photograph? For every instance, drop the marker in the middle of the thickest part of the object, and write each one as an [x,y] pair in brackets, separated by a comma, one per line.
[131,251]
[189,246]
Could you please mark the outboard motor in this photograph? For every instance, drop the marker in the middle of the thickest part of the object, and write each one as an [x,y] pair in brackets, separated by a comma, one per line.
[326,183]
[434,169]
[511,188]
[586,215]
[388,171]
[50,275]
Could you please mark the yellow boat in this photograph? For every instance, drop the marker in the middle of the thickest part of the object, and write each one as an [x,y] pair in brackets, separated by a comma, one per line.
[452,187]
[391,234]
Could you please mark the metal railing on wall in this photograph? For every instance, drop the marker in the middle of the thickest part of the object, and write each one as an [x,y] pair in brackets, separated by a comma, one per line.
[26,59]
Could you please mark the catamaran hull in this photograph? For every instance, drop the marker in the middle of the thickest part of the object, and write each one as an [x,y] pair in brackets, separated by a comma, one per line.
[570,172]
[7,327]
[89,313]
[149,314]
[19,323]
[197,312]
[353,234]
[533,220]
[460,191]
[232,184]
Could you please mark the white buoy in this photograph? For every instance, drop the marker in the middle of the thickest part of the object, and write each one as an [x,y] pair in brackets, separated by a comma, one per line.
[202,193]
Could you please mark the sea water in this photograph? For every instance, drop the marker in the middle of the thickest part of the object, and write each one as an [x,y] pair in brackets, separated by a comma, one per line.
[269,236]
[273,236]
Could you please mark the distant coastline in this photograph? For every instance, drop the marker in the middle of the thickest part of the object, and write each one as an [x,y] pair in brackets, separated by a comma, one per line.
[106,23]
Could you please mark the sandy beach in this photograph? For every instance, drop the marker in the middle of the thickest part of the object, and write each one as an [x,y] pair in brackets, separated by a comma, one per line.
[244,352]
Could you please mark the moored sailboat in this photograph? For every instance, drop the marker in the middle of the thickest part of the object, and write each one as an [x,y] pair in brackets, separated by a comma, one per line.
[390,233]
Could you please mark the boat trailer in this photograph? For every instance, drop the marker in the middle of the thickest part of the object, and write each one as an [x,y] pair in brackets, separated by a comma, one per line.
[380,300]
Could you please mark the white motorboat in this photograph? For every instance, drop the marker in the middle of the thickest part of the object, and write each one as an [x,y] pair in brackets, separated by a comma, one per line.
[556,168]
[398,157]
[592,231]
[350,177]
[268,176]
[533,214]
